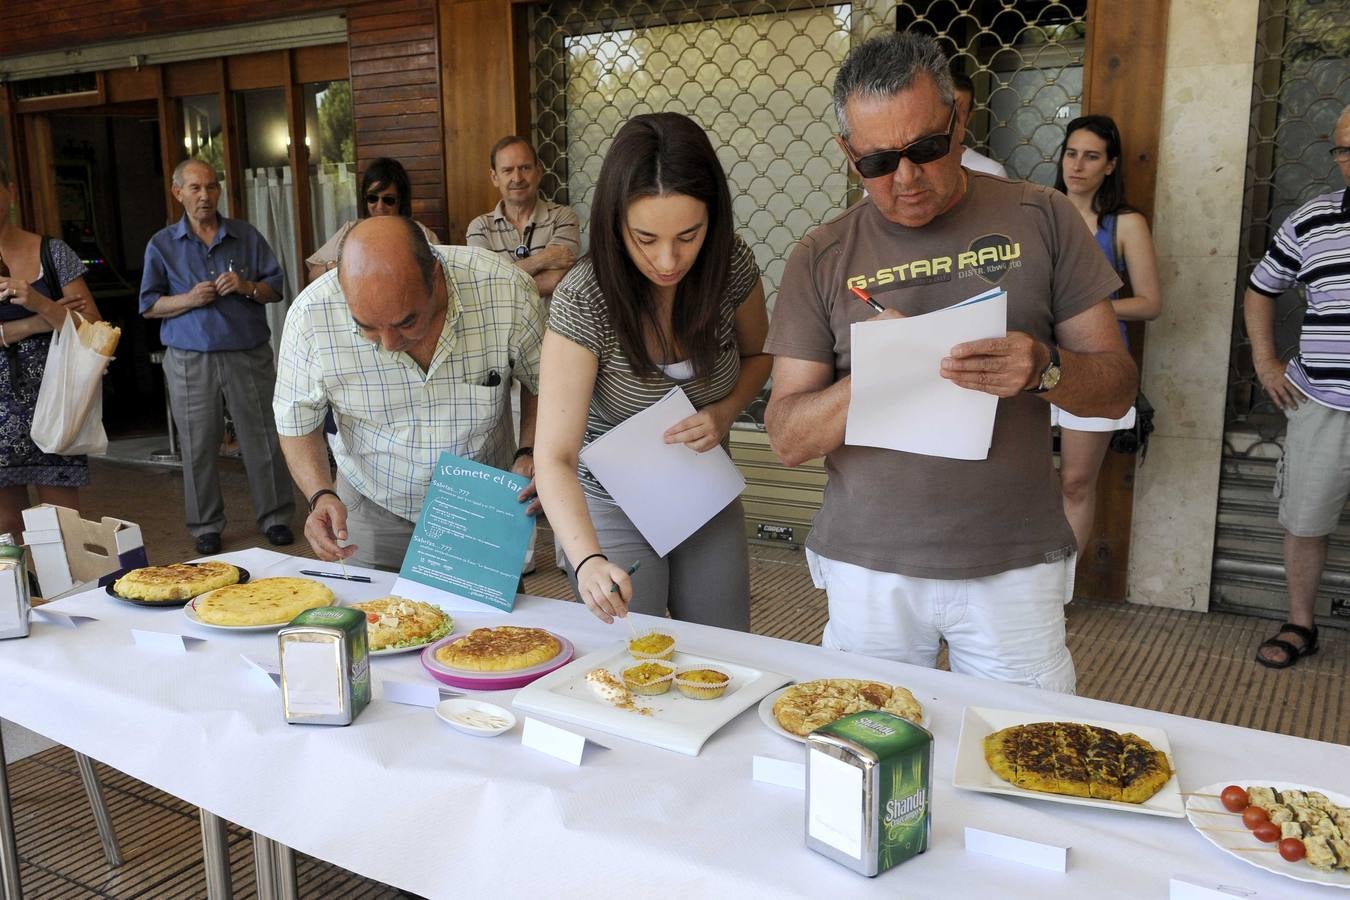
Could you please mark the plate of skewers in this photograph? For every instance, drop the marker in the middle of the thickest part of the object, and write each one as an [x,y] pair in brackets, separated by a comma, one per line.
[1295,830]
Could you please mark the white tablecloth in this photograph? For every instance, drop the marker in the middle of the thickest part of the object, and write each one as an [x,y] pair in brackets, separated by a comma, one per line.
[400,797]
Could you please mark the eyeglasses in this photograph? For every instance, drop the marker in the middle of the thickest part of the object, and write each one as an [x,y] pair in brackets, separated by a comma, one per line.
[386,200]
[924,150]
[1340,154]
[524,249]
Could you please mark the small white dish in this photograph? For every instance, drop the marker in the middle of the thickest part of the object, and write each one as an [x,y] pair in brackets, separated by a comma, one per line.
[459,715]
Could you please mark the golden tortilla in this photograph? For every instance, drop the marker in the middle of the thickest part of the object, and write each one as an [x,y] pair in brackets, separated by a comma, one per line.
[502,649]
[181,581]
[267,601]
[1078,761]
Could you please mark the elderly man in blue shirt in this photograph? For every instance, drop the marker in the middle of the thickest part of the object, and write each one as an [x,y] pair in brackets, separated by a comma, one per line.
[206,278]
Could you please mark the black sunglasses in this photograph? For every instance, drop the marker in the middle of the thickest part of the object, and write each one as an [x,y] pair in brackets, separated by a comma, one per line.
[924,150]
[389,200]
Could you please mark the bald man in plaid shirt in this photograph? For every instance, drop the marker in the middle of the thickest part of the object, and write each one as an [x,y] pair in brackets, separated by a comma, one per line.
[414,348]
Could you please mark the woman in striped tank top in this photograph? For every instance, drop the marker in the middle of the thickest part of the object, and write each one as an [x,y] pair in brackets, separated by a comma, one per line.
[1090,175]
[667,295]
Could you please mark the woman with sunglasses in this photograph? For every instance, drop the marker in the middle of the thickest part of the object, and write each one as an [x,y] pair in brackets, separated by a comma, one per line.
[385,191]
[667,296]
[1090,175]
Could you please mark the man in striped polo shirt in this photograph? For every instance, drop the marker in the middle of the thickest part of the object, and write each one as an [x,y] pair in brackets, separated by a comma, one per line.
[541,238]
[1312,248]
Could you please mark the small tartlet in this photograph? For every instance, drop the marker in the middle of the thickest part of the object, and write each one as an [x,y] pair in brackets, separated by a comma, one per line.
[652,645]
[702,682]
[649,678]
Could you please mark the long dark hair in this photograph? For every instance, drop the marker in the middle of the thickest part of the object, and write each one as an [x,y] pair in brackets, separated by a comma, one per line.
[657,155]
[385,172]
[1110,196]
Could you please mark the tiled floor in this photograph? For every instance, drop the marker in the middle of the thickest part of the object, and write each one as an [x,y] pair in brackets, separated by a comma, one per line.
[1186,663]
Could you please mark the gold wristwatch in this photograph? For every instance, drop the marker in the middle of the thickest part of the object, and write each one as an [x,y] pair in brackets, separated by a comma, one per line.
[1050,375]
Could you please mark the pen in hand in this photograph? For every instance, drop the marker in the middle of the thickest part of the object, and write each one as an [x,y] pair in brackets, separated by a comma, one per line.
[614,587]
[867,298]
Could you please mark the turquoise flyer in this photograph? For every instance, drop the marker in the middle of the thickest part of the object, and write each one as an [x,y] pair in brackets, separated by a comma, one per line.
[472,535]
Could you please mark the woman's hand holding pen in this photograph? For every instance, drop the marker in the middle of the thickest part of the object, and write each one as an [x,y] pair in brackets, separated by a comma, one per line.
[605,588]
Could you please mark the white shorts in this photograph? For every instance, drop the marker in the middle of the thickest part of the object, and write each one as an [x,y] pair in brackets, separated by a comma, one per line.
[1005,627]
[1089,423]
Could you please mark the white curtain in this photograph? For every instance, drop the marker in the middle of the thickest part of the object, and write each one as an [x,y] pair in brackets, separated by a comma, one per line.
[333,200]
[268,208]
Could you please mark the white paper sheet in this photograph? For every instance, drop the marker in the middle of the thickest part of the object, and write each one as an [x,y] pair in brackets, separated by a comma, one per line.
[900,401]
[668,490]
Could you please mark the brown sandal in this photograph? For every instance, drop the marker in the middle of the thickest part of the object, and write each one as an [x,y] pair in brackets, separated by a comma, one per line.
[1292,654]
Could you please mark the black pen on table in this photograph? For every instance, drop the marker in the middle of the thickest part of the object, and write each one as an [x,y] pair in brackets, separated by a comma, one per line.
[867,298]
[343,577]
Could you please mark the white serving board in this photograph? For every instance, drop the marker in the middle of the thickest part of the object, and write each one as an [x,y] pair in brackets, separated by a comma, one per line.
[974,774]
[677,722]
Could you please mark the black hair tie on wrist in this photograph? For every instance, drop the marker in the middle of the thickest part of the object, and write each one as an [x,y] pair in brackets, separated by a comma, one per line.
[577,570]
[314,498]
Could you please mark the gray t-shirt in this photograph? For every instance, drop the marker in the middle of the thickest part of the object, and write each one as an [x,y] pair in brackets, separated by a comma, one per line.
[578,314]
[927,516]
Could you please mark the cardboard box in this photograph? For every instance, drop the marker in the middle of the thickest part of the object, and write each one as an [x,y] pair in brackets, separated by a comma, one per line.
[73,553]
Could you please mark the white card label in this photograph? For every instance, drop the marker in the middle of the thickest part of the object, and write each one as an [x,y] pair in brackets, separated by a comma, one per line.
[310,673]
[411,693]
[559,742]
[1018,850]
[164,641]
[834,803]
[1180,888]
[65,620]
[780,772]
[264,668]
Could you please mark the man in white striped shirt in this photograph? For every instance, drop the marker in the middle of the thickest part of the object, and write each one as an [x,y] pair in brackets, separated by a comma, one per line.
[414,348]
[1312,248]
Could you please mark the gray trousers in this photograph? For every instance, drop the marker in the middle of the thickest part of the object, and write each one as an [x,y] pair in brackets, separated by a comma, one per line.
[196,381]
[381,537]
[706,579]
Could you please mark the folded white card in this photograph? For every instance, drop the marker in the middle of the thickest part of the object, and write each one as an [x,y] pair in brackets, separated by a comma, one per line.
[164,641]
[264,667]
[667,490]
[558,742]
[1018,850]
[410,692]
[899,399]
[780,772]
[1180,888]
[65,620]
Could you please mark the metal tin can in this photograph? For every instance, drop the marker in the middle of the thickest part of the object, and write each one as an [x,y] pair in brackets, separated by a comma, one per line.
[868,786]
[325,666]
[15,602]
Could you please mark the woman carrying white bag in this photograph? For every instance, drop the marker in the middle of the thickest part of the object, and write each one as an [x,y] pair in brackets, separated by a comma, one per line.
[34,300]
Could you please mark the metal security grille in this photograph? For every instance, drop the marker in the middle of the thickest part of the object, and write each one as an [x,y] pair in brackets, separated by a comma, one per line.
[758,76]
[1301,83]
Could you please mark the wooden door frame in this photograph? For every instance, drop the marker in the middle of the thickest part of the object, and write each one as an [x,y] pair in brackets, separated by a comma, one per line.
[1123,78]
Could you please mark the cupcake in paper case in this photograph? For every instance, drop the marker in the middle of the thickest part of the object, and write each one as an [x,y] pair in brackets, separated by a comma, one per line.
[649,678]
[702,683]
[652,645]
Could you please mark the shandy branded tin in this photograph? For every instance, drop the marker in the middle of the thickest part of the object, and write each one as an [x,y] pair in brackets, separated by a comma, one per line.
[325,668]
[14,599]
[868,784]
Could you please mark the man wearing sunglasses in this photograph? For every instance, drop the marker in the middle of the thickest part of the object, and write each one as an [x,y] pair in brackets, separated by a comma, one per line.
[541,238]
[913,549]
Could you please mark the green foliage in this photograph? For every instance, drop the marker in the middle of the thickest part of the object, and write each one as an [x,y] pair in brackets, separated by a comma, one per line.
[337,140]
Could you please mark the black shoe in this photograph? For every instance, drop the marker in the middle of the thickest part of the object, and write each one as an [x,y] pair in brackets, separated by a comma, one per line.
[280,536]
[208,544]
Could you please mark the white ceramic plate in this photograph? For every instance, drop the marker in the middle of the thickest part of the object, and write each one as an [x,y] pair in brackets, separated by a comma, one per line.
[974,774]
[446,710]
[677,722]
[766,715]
[1207,813]
[191,612]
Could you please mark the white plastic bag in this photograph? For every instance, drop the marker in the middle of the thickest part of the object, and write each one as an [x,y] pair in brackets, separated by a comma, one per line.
[68,419]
